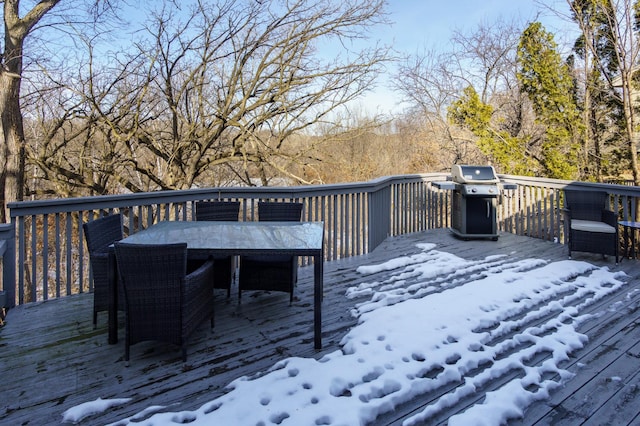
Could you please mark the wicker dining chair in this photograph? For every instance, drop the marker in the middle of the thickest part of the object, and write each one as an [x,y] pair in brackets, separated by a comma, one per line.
[163,302]
[99,234]
[271,272]
[592,227]
[225,266]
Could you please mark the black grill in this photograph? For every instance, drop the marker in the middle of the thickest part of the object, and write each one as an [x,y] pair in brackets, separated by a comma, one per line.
[474,201]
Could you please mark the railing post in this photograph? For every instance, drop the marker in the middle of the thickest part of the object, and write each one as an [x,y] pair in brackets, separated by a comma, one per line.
[379,205]
[8,253]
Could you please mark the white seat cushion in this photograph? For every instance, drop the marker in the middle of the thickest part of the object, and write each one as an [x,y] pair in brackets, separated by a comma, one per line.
[592,226]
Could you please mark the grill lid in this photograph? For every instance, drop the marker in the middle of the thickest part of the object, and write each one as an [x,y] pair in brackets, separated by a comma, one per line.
[479,175]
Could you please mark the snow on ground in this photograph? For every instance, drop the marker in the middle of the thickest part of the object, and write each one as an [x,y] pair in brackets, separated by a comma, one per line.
[443,330]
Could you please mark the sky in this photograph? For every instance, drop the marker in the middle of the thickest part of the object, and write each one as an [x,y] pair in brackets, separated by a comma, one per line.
[442,330]
[431,23]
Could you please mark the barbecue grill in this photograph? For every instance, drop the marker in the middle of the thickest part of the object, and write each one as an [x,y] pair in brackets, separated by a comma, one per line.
[474,200]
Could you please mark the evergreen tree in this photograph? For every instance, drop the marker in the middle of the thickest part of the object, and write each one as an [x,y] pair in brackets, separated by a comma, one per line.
[509,153]
[608,44]
[602,147]
[548,82]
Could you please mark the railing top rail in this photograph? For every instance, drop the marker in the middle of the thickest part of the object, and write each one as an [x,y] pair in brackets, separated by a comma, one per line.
[563,184]
[59,205]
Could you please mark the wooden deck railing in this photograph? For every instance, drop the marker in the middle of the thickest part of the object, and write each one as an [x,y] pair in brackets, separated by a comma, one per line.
[45,255]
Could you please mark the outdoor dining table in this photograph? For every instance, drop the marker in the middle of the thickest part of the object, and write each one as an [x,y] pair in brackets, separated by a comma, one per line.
[206,239]
[629,226]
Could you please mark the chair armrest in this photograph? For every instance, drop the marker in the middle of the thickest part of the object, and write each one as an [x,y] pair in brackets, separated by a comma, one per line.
[610,218]
[199,281]
[200,274]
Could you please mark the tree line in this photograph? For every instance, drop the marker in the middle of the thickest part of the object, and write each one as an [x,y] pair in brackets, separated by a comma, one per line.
[240,92]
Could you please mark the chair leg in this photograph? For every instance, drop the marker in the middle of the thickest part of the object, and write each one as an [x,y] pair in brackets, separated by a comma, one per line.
[95,319]
[233,277]
[127,345]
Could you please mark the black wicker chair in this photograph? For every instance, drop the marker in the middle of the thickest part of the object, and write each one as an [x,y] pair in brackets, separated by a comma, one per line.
[225,267]
[591,226]
[163,302]
[271,272]
[99,235]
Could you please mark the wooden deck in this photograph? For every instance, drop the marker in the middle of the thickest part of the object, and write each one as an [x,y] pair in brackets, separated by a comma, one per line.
[52,359]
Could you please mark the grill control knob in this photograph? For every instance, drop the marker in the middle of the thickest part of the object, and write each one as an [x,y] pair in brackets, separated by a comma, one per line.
[474,189]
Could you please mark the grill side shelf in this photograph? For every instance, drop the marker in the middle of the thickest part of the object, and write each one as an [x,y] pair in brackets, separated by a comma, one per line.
[448,185]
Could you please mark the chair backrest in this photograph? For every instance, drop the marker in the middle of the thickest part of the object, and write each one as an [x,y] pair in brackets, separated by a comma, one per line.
[270,211]
[586,205]
[152,272]
[102,232]
[218,210]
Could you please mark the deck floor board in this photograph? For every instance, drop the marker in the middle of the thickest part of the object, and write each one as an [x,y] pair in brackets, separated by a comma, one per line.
[52,358]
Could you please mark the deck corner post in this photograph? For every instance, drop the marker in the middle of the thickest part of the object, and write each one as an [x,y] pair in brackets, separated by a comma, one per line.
[379,228]
[8,253]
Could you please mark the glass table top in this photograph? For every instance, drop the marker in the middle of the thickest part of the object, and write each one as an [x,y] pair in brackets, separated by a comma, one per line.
[629,223]
[222,235]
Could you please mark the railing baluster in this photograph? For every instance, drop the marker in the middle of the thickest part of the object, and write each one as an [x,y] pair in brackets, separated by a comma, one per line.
[45,256]
[34,250]
[58,257]
[69,247]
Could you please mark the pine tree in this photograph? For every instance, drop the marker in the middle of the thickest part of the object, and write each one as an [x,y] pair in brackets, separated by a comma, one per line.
[548,82]
[509,153]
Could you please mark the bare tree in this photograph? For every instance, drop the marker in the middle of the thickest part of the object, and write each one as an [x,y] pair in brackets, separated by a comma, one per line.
[16,30]
[218,94]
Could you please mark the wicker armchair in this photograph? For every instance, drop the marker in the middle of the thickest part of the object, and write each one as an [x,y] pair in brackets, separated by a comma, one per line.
[591,226]
[271,272]
[162,301]
[225,266]
[99,235]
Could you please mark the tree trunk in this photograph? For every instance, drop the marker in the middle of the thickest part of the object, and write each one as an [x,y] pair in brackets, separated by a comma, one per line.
[13,151]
